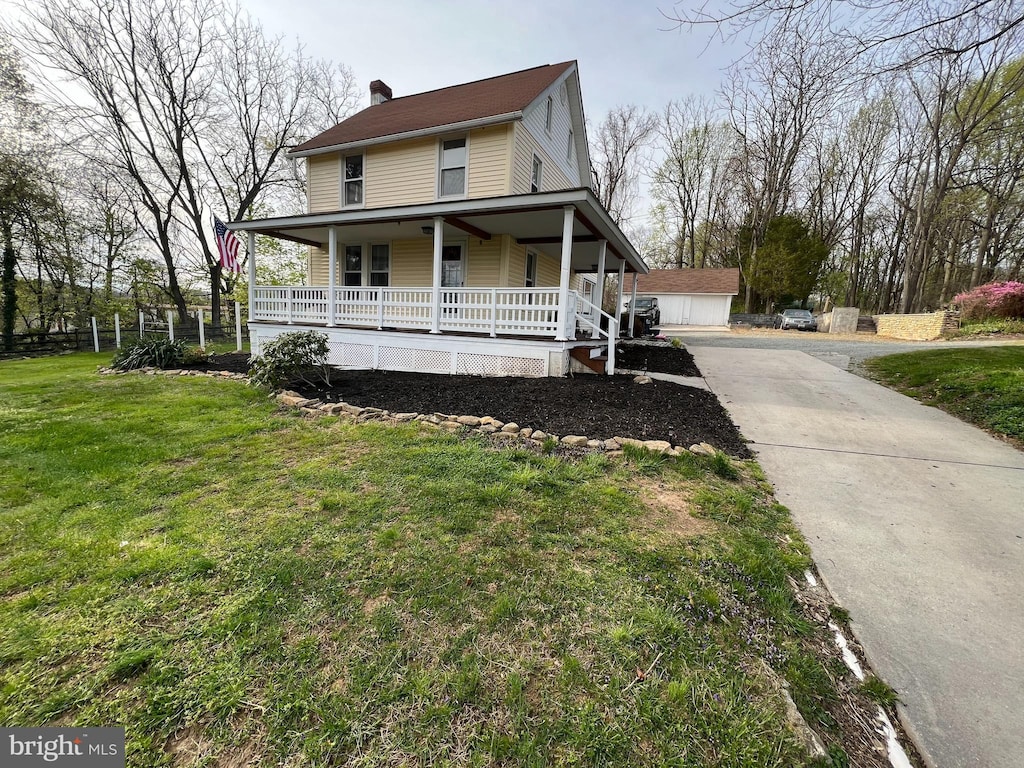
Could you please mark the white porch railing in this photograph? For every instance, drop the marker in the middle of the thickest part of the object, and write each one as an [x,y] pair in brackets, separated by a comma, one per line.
[493,311]
[589,315]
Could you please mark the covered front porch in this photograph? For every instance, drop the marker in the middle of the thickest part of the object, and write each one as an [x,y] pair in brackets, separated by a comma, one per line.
[489,326]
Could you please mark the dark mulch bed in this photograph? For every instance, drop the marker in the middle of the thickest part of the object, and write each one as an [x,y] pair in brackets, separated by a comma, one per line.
[658,357]
[596,406]
[233,362]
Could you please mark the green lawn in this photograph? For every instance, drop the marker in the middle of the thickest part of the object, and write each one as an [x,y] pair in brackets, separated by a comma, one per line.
[240,586]
[984,386]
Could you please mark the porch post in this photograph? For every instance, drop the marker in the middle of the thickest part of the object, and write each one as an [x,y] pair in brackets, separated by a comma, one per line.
[619,292]
[569,212]
[632,306]
[435,320]
[602,253]
[252,275]
[332,272]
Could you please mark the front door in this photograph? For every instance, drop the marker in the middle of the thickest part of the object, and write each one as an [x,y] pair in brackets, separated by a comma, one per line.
[452,276]
[452,266]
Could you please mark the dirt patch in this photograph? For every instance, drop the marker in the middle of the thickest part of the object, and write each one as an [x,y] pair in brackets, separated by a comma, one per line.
[674,509]
[598,407]
[655,356]
[232,362]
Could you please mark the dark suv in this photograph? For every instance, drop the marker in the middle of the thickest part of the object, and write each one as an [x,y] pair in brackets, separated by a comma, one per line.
[647,307]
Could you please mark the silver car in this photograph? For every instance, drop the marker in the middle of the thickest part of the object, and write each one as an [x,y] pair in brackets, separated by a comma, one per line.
[801,319]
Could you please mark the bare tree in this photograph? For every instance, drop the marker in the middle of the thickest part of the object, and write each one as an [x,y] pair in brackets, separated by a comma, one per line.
[881,34]
[619,153]
[775,101]
[193,103]
[690,179]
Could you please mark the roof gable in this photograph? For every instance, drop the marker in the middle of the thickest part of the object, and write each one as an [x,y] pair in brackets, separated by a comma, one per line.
[722,281]
[481,99]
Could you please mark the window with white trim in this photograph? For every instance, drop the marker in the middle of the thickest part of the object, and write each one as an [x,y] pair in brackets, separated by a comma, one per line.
[568,147]
[549,114]
[353,265]
[380,264]
[535,178]
[353,169]
[452,179]
[531,270]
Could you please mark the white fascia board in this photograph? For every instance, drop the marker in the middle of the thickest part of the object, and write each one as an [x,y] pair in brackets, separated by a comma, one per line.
[583,197]
[580,134]
[686,293]
[551,90]
[465,125]
[421,211]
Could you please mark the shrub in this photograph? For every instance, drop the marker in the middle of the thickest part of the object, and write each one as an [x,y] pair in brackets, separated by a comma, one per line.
[297,355]
[994,300]
[158,353]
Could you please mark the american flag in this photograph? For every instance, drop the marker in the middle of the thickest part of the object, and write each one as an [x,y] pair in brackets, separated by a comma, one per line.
[227,246]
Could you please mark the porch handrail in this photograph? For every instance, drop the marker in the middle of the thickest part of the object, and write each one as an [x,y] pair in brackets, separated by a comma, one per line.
[585,310]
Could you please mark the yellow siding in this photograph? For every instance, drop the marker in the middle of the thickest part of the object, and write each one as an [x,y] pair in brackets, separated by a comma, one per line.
[403,173]
[548,270]
[484,267]
[412,263]
[526,147]
[323,176]
[516,265]
[488,161]
[319,266]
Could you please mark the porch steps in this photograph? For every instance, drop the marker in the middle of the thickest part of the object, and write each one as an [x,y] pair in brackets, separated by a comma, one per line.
[583,354]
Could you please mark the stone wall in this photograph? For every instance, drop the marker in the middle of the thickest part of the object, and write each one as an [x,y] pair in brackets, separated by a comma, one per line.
[922,327]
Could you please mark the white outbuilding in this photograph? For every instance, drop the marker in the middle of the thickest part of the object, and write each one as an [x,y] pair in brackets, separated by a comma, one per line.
[691,296]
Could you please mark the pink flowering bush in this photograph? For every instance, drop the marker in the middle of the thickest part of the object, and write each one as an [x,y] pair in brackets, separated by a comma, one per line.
[1005,300]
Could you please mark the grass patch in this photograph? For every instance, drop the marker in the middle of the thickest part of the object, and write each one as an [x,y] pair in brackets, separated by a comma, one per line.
[879,691]
[982,386]
[990,328]
[229,581]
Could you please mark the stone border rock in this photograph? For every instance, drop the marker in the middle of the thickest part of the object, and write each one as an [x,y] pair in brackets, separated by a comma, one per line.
[497,431]
[486,425]
[150,371]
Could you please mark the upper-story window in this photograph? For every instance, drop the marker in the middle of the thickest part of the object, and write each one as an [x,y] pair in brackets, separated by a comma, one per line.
[452,182]
[353,180]
[548,114]
[568,147]
[538,169]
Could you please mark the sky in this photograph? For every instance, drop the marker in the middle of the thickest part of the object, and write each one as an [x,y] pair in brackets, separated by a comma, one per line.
[625,54]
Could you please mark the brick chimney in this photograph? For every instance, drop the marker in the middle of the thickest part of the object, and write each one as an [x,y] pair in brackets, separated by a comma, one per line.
[379,92]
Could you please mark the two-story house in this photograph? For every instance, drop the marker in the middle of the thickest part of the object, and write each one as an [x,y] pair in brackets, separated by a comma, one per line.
[453,231]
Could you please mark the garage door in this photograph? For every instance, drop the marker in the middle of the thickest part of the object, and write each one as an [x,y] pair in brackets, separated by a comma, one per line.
[709,310]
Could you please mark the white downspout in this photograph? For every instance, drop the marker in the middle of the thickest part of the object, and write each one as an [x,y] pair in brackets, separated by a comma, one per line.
[569,213]
[435,324]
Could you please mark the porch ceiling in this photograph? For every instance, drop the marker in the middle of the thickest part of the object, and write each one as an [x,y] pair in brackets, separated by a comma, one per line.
[533,219]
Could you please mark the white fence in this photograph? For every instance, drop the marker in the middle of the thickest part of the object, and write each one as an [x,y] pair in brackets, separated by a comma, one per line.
[492,311]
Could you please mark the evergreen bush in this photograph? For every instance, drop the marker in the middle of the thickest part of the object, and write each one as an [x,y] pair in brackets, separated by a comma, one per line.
[297,355]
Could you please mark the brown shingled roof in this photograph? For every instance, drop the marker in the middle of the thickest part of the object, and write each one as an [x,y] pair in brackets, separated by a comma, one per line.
[689,281]
[454,104]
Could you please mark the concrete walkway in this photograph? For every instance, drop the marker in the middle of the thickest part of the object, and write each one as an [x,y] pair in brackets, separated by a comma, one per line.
[916,523]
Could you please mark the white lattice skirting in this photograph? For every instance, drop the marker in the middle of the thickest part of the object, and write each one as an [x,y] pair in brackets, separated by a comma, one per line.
[425,353]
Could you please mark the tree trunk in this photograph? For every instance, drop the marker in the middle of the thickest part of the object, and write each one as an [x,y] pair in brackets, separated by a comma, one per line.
[8,288]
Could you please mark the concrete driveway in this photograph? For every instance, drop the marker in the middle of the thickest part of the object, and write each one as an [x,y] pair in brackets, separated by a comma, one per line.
[915,520]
